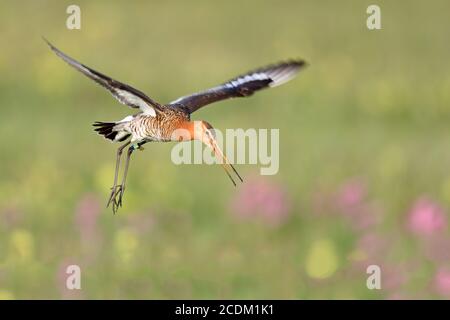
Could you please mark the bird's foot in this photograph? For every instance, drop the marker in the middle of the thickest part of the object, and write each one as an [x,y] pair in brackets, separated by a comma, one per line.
[116,197]
[112,195]
[121,192]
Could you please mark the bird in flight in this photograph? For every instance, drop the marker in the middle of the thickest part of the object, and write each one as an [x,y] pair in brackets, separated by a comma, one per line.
[172,121]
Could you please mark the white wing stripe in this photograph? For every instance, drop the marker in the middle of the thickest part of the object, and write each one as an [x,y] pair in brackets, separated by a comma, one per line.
[278,77]
[248,78]
[127,97]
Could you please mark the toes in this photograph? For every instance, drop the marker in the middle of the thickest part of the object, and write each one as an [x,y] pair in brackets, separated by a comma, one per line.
[115,192]
[116,197]
[122,190]
[111,198]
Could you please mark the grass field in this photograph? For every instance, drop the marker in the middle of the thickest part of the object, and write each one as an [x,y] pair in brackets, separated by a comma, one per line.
[364,153]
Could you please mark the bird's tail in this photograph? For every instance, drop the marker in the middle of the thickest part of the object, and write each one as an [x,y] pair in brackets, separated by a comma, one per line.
[108,130]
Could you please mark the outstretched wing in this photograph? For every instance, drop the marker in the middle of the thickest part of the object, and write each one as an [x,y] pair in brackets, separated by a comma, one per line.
[121,91]
[242,86]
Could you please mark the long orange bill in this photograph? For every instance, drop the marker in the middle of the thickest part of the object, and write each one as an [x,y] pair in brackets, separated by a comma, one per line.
[224,161]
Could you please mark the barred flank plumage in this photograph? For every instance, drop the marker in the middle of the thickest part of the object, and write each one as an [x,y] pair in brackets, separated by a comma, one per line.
[107,129]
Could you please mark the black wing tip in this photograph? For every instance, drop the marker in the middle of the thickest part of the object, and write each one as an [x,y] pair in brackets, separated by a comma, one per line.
[293,64]
[298,63]
[302,63]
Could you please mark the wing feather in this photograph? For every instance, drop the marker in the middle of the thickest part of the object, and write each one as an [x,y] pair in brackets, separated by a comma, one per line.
[124,93]
[242,86]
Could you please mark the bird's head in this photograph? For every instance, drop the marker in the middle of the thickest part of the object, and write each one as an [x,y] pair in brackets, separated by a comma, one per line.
[194,130]
[204,132]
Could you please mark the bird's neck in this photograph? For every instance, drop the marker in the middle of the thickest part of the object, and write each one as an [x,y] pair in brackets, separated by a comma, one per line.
[189,131]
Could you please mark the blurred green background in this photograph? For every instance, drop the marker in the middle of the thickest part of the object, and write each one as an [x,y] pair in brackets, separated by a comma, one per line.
[364,152]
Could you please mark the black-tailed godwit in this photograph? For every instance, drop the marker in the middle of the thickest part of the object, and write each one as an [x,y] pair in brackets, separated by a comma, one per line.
[171,122]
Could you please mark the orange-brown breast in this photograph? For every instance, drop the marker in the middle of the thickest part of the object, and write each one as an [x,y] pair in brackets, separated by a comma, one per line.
[159,128]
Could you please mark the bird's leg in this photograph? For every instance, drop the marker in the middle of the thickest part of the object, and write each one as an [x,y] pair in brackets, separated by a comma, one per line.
[125,173]
[116,173]
[121,189]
